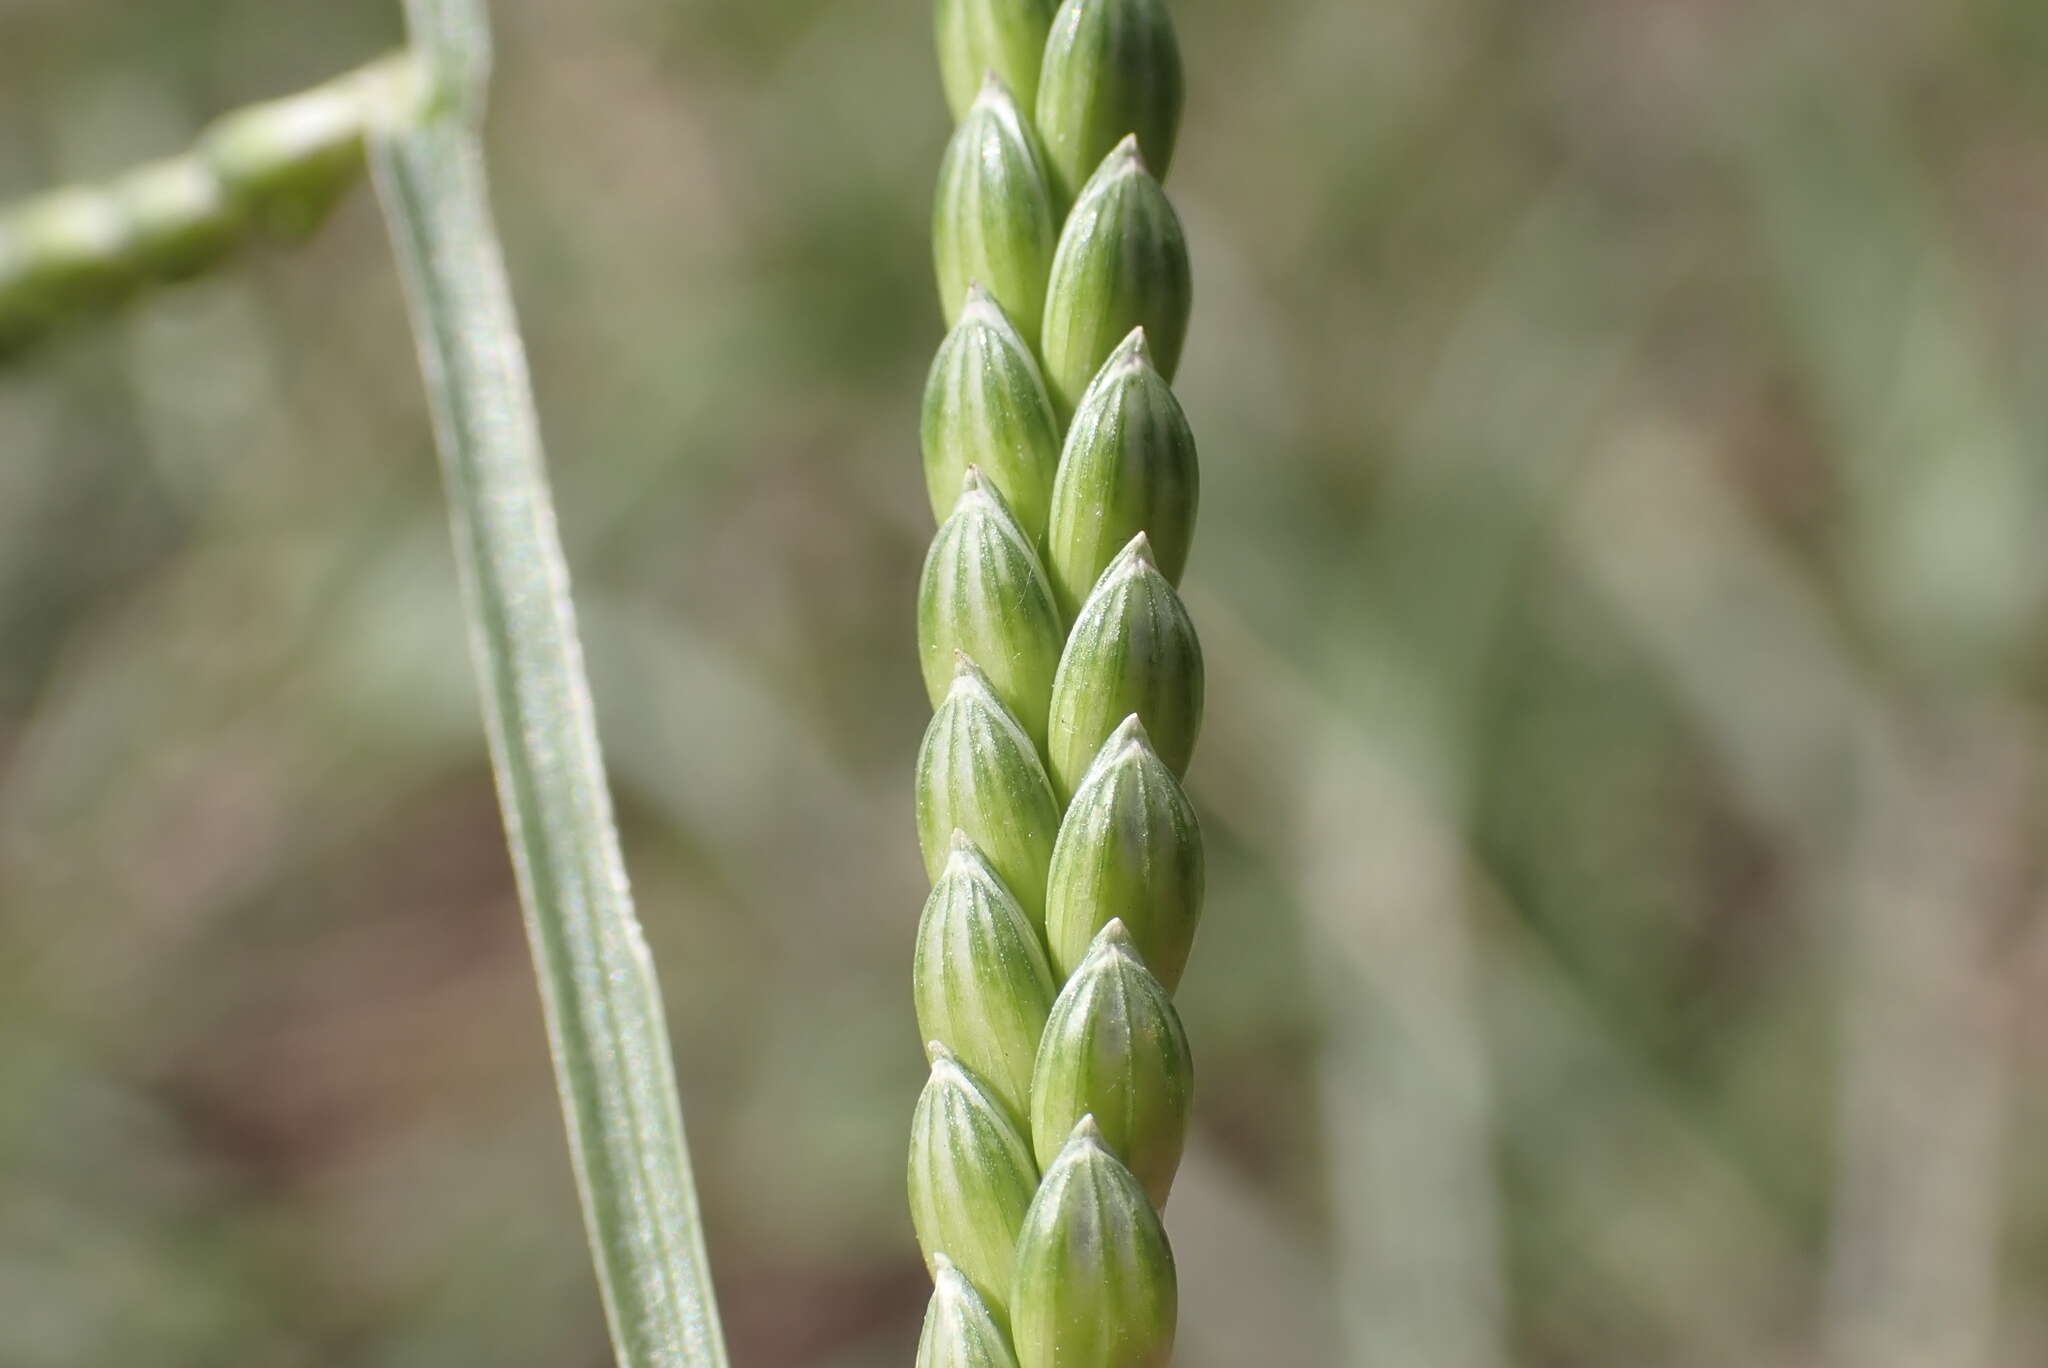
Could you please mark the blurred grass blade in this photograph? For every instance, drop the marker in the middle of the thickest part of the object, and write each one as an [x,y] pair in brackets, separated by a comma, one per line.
[603,1006]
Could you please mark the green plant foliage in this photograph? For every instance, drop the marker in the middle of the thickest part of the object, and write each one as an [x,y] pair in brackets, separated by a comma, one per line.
[606,1025]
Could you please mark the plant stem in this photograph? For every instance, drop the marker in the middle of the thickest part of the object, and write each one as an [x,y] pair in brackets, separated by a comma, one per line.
[602,1004]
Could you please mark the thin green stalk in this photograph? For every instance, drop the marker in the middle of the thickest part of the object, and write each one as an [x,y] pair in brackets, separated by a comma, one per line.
[602,1004]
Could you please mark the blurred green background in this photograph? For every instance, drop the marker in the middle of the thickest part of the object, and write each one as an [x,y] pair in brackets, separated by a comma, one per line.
[1622,573]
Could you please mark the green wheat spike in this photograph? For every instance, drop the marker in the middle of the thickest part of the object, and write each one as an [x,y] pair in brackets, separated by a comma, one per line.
[274,169]
[1065,857]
